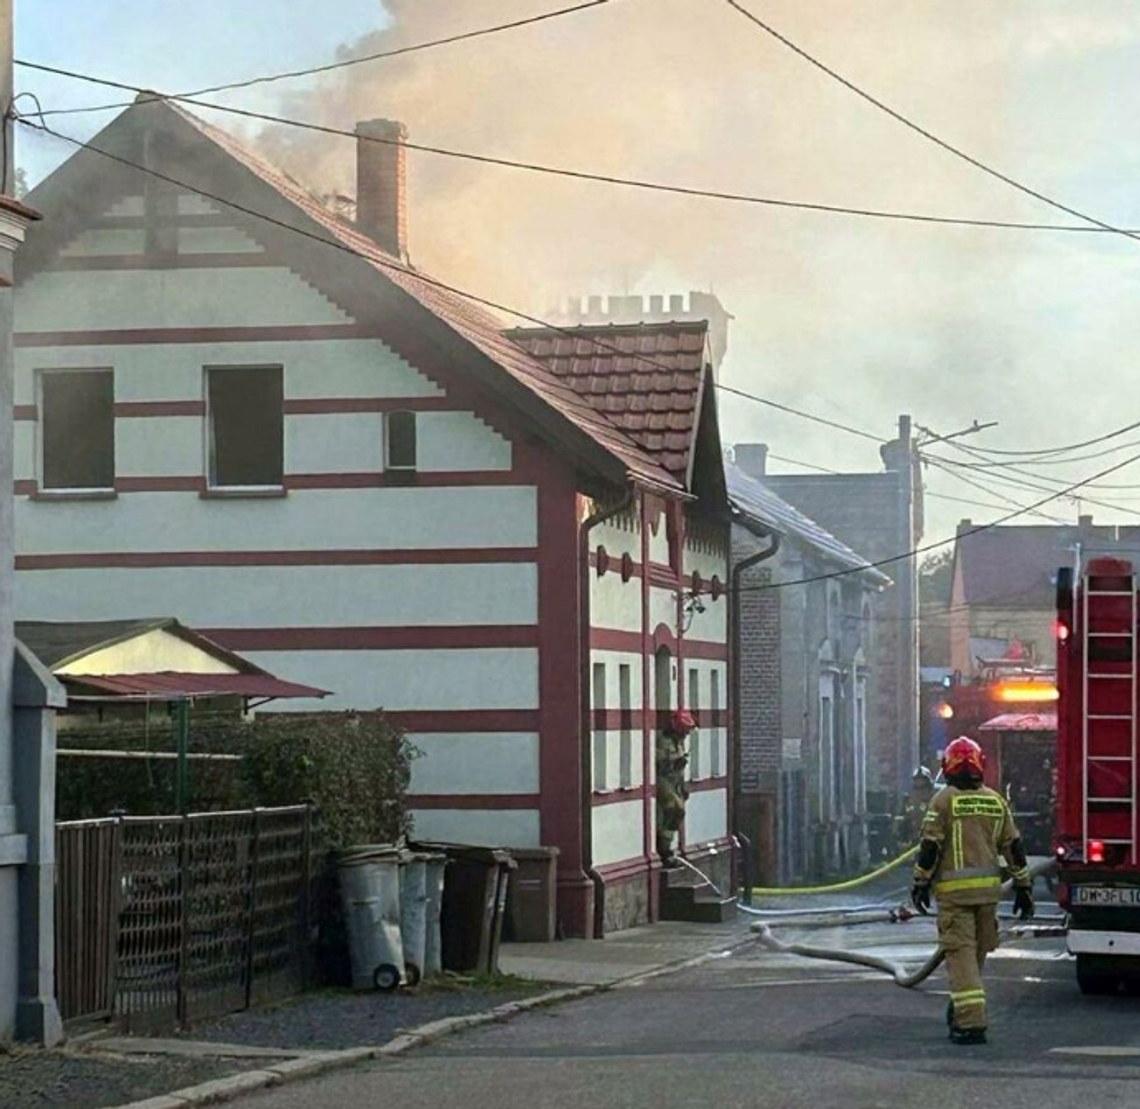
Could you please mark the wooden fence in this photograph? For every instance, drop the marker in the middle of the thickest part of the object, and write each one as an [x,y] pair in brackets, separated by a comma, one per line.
[163,921]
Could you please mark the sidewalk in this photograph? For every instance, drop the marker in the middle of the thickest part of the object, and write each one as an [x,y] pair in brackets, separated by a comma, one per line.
[329,1029]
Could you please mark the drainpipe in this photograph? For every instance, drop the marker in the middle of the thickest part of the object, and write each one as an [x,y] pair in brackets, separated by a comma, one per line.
[587,527]
[773,537]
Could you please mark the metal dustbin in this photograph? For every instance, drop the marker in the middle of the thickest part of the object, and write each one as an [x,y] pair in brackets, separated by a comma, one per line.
[434,868]
[413,916]
[532,904]
[474,902]
[370,889]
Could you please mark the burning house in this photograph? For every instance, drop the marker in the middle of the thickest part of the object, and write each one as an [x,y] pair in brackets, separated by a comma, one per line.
[235,404]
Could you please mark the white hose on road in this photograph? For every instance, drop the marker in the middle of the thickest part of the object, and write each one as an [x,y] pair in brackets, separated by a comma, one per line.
[908,978]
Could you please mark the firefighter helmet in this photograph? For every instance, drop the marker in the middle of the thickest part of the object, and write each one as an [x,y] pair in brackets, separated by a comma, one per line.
[963,758]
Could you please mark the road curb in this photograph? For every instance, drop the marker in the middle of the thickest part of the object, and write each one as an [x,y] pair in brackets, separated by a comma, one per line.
[220,1090]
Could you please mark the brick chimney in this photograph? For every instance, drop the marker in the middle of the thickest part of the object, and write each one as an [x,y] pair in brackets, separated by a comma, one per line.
[752,458]
[381,184]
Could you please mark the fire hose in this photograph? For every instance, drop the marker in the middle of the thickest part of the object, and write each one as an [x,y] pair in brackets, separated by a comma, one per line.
[863,914]
[902,976]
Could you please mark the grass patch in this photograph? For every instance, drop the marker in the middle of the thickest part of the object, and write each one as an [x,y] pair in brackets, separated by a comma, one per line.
[450,982]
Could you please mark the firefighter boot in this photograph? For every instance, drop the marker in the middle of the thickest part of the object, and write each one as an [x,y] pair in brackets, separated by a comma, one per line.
[967,1037]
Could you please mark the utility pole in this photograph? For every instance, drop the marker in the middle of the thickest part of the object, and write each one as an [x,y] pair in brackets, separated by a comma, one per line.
[28,693]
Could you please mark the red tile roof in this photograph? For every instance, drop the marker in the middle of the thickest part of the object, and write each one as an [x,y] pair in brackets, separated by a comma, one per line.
[645,377]
[478,326]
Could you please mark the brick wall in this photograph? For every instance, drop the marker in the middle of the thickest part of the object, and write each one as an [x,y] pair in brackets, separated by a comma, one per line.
[759,731]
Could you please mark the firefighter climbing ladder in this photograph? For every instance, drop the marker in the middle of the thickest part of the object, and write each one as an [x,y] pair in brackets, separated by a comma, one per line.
[1108,741]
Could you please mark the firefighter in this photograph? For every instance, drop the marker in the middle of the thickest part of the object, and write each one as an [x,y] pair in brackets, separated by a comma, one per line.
[967,828]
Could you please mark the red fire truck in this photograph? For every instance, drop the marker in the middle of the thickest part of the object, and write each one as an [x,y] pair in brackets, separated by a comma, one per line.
[1098,818]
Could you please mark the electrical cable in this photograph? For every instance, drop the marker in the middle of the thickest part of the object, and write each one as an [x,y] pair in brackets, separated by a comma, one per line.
[344,63]
[916,551]
[920,130]
[556,171]
[417,275]
[1060,450]
[474,298]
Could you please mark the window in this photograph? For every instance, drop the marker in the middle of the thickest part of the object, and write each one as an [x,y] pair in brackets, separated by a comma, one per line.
[246,426]
[77,429]
[400,441]
[717,767]
[826,752]
[860,745]
[625,703]
[695,752]
[600,777]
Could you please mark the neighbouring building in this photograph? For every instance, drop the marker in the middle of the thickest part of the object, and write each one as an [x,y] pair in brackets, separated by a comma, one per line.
[1003,586]
[880,515]
[236,405]
[806,684]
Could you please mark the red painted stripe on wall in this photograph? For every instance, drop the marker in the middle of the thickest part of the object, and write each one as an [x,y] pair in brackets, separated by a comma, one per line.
[436,637]
[613,639]
[213,260]
[143,560]
[147,335]
[320,406]
[614,720]
[493,802]
[460,721]
[194,483]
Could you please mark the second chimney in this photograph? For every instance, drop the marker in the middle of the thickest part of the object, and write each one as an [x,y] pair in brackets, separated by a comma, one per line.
[381,184]
[752,458]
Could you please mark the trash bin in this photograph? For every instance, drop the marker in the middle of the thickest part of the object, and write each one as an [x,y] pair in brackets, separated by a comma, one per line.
[532,906]
[413,916]
[434,868]
[474,901]
[370,889]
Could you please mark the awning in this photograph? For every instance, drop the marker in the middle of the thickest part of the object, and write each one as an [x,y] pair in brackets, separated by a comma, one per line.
[169,686]
[1022,722]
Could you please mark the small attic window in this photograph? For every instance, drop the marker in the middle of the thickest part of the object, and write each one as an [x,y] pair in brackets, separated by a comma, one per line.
[400,442]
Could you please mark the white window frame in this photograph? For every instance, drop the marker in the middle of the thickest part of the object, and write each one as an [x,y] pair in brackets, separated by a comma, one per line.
[41,414]
[695,746]
[860,744]
[827,784]
[600,752]
[716,747]
[625,747]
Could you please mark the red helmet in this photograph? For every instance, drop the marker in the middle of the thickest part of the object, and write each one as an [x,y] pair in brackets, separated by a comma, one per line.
[963,757]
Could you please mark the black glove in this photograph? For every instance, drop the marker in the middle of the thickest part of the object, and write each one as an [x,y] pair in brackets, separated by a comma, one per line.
[920,897]
[1023,907]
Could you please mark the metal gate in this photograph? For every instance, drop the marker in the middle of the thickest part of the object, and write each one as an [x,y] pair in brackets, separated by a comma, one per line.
[163,921]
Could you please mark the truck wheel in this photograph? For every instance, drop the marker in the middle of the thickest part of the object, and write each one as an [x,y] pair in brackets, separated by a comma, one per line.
[1094,977]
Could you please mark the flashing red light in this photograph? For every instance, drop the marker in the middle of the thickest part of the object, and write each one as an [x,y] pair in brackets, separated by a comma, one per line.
[1062,630]
[1096,851]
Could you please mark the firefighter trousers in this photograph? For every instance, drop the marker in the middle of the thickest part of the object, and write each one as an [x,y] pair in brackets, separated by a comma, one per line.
[967,933]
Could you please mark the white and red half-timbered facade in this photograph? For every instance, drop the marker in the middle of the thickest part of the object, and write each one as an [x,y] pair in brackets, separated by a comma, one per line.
[234,405]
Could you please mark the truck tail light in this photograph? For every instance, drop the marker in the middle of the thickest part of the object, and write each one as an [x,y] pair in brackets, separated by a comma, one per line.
[1096,851]
[1061,629]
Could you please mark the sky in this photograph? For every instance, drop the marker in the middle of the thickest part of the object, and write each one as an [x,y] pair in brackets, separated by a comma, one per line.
[856,320]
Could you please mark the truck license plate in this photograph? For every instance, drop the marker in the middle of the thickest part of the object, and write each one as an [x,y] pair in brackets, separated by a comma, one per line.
[1127,896]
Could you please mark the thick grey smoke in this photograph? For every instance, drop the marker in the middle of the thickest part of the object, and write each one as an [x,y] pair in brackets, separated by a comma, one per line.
[847,316]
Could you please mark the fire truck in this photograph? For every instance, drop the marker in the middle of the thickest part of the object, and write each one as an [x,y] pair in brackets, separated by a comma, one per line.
[1098,819]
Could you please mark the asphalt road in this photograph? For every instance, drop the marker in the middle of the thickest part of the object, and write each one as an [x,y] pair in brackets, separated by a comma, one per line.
[758,1030]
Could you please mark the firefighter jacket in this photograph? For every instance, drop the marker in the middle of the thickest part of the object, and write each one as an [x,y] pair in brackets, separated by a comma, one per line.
[965,833]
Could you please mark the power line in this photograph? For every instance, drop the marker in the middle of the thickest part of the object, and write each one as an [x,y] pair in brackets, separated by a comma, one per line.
[989,491]
[643,184]
[1065,449]
[433,282]
[925,492]
[474,298]
[345,63]
[916,551]
[918,129]
[803,415]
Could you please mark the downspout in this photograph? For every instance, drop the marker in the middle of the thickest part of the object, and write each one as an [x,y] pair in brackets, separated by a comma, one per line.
[737,576]
[586,684]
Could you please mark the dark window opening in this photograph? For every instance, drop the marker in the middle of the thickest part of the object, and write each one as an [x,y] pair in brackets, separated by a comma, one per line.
[78,429]
[401,441]
[247,426]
